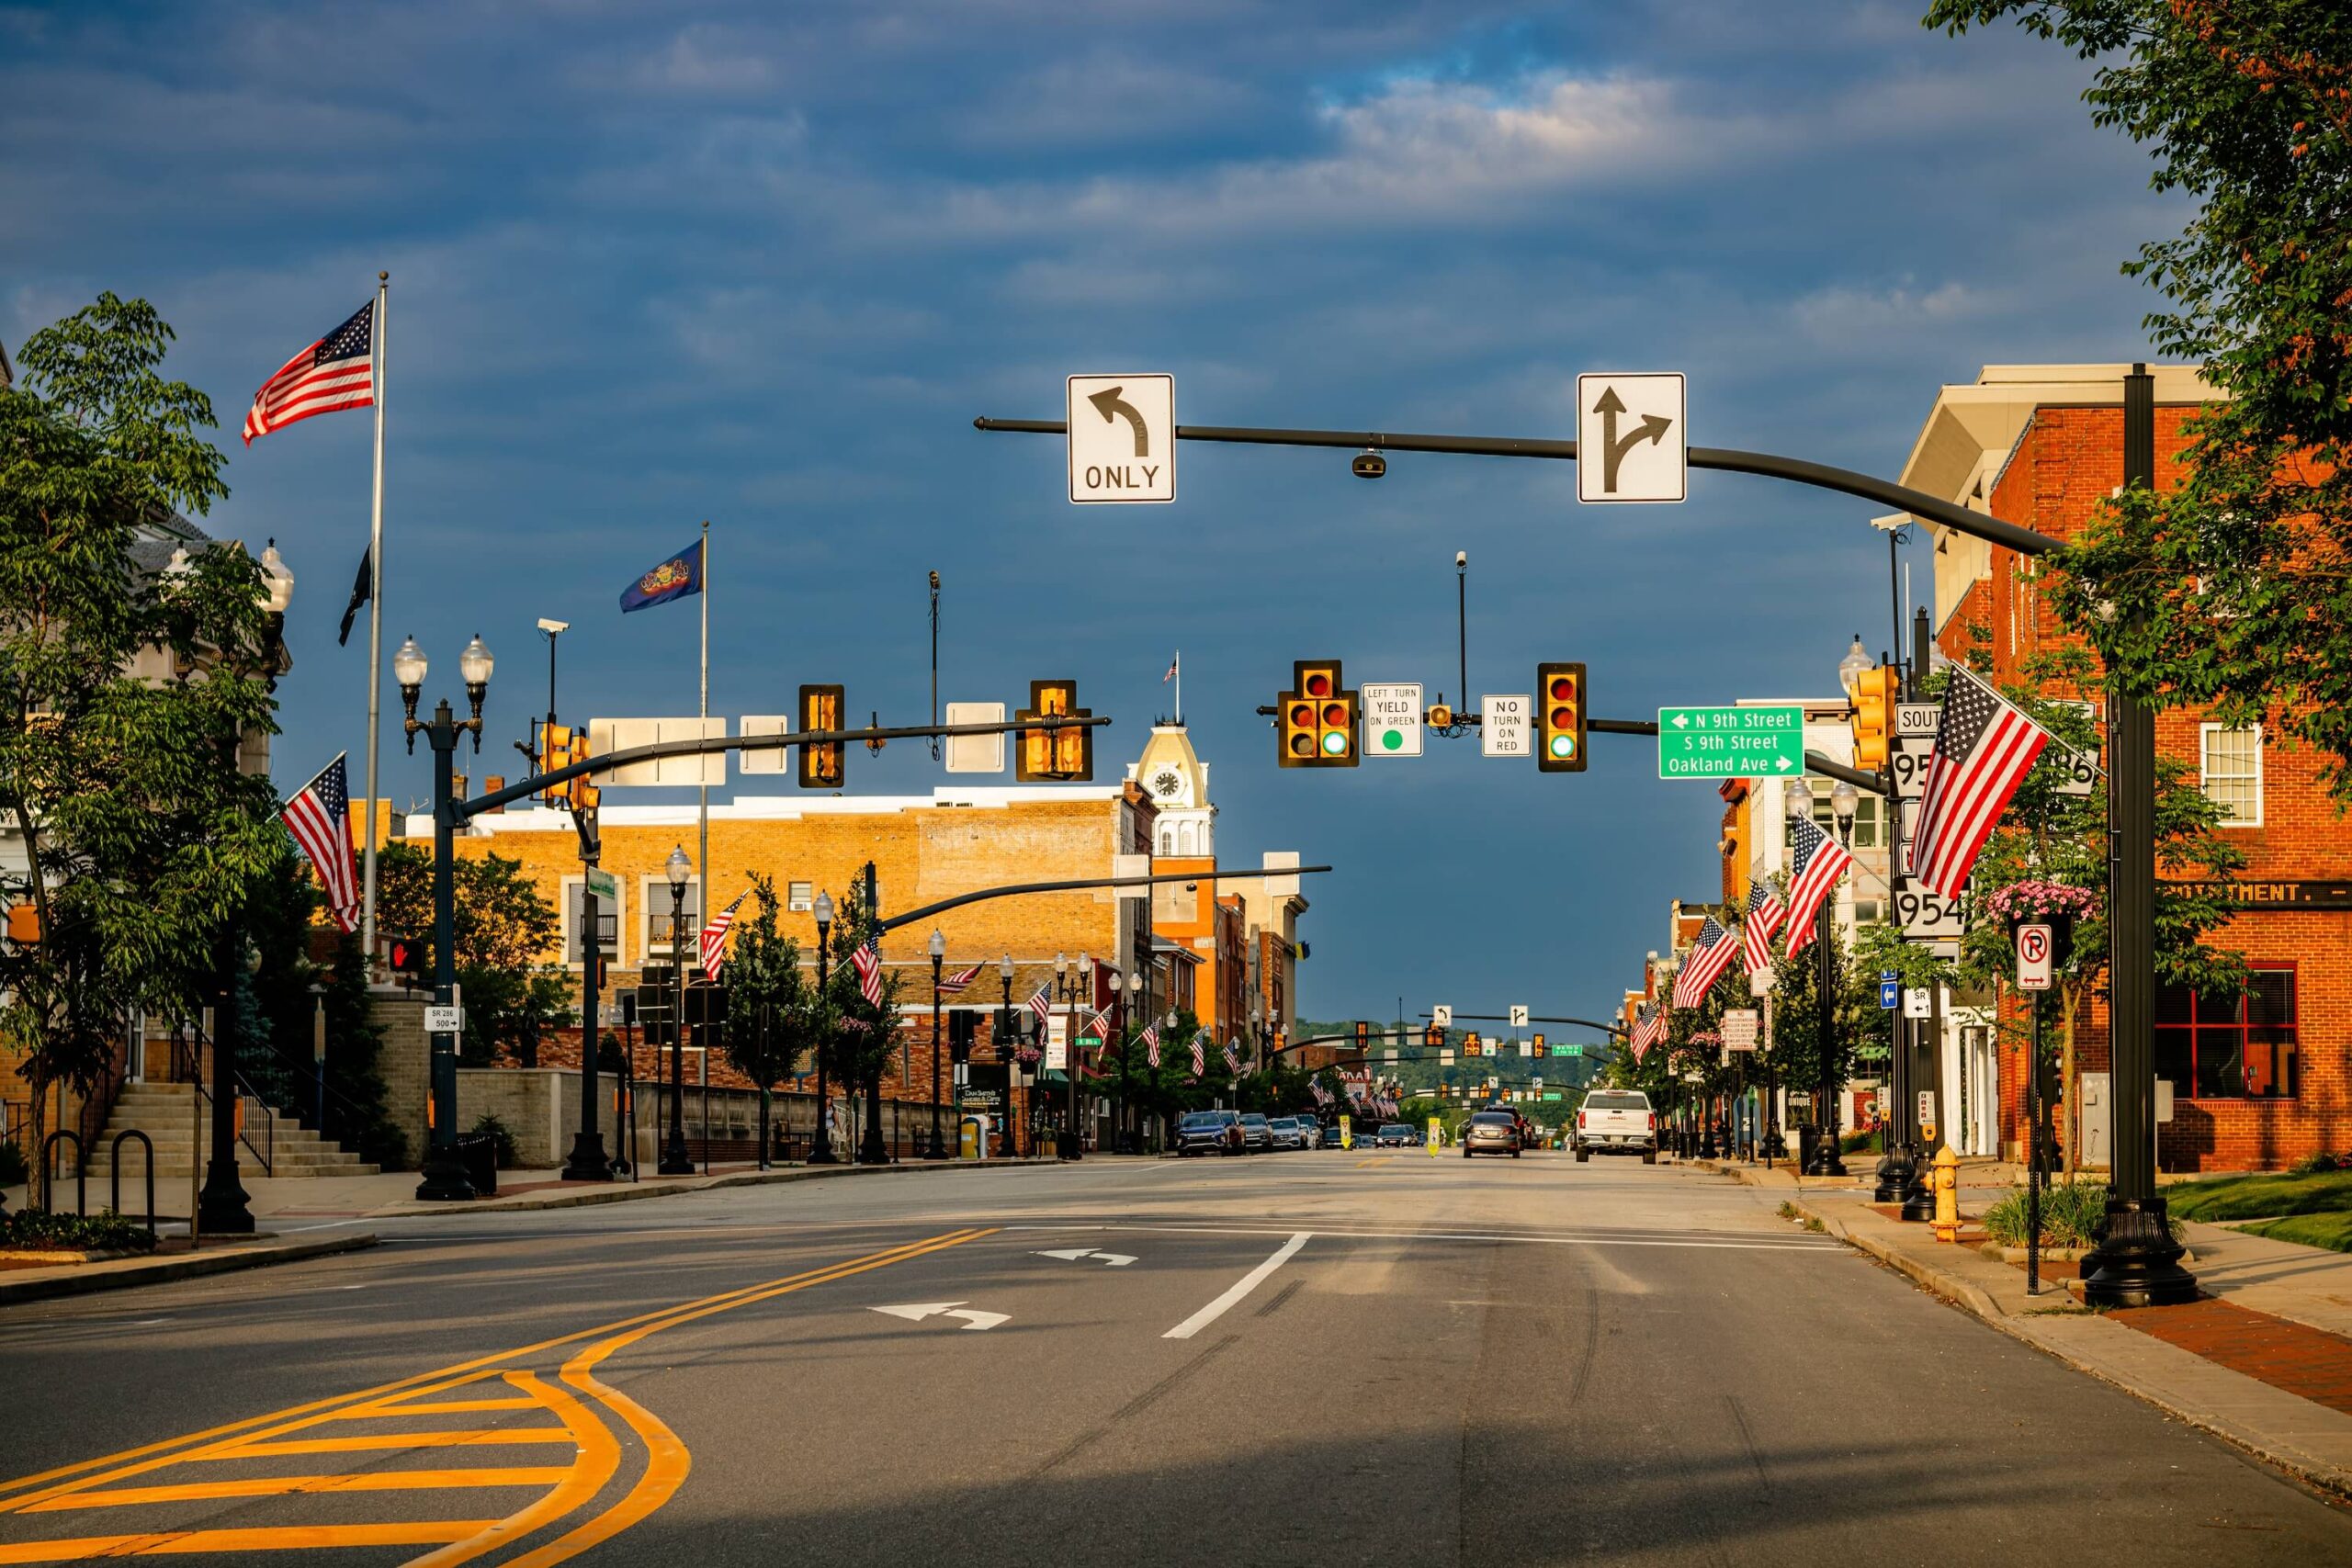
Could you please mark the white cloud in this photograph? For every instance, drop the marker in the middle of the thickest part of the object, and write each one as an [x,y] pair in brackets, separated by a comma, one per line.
[1838,312]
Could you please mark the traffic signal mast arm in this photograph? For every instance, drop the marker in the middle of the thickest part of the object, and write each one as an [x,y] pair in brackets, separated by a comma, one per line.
[1821,476]
[1579,1022]
[1081,885]
[698,747]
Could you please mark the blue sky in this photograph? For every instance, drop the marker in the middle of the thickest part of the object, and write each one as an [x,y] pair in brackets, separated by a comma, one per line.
[763,263]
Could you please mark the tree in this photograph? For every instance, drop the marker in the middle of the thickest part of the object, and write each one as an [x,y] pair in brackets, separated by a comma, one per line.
[2231,588]
[503,928]
[124,697]
[772,1009]
[857,1036]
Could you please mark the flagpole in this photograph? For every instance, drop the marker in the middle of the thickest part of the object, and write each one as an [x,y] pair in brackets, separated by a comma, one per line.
[702,820]
[1179,662]
[374,647]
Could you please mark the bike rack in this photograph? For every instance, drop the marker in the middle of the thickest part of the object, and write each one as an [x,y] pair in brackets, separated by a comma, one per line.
[48,1172]
[114,1159]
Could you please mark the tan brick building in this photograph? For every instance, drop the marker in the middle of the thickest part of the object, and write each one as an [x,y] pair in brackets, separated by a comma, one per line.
[2255,1082]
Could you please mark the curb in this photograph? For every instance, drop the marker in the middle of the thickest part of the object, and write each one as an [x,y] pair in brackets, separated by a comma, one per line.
[2334,1480]
[630,1191]
[162,1271]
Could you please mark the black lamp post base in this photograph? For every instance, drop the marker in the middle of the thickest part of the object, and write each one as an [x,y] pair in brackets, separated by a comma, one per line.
[675,1159]
[1920,1192]
[822,1152]
[220,1208]
[2136,1263]
[936,1146]
[1887,1180]
[872,1151]
[443,1180]
[587,1162]
[1826,1161]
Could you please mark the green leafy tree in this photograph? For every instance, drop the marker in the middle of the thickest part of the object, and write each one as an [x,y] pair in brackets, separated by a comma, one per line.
[857,1037]
[2230,589]
[773,1013]
[123,697]
[504,928]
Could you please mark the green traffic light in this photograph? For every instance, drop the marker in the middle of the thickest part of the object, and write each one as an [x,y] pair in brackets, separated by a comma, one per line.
[1564,745]
[1334,742]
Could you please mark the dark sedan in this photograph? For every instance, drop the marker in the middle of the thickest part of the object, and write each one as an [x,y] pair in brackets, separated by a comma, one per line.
[1209,1133]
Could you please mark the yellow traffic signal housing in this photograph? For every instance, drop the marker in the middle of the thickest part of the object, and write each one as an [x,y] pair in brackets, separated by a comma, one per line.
[1054,755]
[1315,722]
[821,761]
[555,751]
[1433,1038]
[1560,718]
[1873,715]
[1470,1046]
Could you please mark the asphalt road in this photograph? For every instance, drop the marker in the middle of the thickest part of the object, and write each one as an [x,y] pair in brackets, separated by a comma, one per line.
[1297,1358]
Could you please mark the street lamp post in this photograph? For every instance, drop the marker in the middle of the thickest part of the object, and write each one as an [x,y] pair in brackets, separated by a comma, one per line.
[1007,1050]
[674,1153]
[820,1145]
[1828,1161]
[443,1178]
[938,1146]
[1072,1145]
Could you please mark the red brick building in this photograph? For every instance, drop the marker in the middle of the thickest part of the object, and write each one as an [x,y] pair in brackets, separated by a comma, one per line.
[2255,1082]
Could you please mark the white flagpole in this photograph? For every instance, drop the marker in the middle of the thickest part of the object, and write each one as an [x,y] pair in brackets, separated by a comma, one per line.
[375,648]
[1178,663]
[702,843]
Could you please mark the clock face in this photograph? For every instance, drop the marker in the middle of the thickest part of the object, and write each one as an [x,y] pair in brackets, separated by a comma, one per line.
[1168,784]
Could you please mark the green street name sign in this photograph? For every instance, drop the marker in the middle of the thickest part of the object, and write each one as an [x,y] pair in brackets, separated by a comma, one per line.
[1567,1049]
[604,884]
[1731,742]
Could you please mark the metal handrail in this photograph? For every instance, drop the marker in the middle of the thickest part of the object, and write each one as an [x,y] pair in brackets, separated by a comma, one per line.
[191,1058]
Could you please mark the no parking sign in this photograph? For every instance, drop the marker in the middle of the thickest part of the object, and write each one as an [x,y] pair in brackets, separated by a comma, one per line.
[2036,957]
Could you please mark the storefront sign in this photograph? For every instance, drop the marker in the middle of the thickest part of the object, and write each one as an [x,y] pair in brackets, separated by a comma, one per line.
[2251,895]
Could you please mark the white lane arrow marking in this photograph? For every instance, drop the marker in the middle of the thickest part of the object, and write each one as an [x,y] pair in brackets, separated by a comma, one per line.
[1073,1254]
[915,1311]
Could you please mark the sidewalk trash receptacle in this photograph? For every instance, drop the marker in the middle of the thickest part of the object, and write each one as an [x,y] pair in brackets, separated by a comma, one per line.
[479,1154]
[1808,1138]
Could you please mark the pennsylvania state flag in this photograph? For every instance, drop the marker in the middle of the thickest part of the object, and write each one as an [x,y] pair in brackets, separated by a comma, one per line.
[674,579]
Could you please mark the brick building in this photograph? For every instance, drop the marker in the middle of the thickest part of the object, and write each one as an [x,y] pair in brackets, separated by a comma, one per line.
[2257,1082]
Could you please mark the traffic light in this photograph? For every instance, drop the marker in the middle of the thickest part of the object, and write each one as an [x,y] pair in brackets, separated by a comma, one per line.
[1316,722]
[963,1033]
[821,764]
[1470,1046]
[1054,755]
[1433,1038]
[1560,718]
[1363,1035]
[561,746]
[1874,715]
[1535,1047]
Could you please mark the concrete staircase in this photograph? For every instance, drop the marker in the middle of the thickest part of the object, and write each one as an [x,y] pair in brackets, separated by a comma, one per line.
[162,1111]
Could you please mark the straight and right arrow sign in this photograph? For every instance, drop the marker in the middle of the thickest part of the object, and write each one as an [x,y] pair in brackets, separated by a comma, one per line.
[1631,444]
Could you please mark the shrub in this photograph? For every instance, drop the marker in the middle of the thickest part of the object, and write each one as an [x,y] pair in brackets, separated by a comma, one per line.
[2317,1165]
[13,1171]
[2071,1212]
[102,1231]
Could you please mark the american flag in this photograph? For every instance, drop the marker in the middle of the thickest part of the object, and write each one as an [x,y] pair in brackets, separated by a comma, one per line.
[951,984]
[868,961]
[1171,670]
[1764,912]
[320,819]
[1704,966]
[1648,1027]
[1232,1061]
[336,372]
[714,937]
[1983,750]
[1042,1003]
[1200,1056]
[1322,1094]
[1151,1044]
[1819,861]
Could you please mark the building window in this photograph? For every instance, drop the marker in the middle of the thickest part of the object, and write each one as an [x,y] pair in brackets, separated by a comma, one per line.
[799,897]
[1869,912]
[2230,1047]
[1869,832]
[658,906]
[609,917]
[2232,773]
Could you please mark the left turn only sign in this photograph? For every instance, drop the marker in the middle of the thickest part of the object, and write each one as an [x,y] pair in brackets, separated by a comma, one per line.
[1122,438]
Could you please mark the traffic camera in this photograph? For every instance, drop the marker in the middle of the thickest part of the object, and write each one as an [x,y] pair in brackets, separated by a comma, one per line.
[1560,720]
[821,763]
[1315,727]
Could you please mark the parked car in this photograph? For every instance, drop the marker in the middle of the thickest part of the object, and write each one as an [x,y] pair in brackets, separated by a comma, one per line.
[1285,1132]
[1395,1136]
[1616,1122]
[1491,1133]
[1209,1133]
[1310,1133]
[1257,1133]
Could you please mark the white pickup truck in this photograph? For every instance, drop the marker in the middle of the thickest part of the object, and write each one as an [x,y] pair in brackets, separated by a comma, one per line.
[1616,1122]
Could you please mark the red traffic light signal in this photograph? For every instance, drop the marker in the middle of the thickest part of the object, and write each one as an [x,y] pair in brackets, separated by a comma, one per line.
[1315,722]
[1560,718]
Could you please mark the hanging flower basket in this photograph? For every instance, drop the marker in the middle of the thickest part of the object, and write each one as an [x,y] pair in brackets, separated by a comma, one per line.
[2055,904]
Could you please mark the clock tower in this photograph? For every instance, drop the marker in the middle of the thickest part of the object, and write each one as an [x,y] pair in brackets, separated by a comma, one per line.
[1178,781]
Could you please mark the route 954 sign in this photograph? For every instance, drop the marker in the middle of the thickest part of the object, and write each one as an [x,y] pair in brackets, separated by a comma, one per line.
[1925,915]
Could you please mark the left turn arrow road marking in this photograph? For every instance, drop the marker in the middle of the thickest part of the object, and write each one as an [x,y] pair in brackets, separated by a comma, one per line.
[1115,1259]
[915,1311]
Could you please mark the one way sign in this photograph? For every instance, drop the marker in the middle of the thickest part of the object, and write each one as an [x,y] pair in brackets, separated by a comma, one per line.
[1122,438]
[1631,440]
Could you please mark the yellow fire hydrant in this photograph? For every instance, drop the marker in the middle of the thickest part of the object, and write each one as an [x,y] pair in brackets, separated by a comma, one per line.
[1947,1195]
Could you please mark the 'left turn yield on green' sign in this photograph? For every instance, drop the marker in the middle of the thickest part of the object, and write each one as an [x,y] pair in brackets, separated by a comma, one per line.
[1731,742]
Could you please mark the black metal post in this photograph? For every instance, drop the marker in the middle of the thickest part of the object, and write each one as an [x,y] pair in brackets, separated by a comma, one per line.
[588,1161]
[221,1207]
[938,1146]
[443,1178]
[820,1142]
[1072,1147]
[2033,1152]
[2136,1262]
[674,1161]
[1827,1160]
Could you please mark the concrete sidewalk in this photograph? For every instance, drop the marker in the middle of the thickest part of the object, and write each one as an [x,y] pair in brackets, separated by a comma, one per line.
[2294,1301]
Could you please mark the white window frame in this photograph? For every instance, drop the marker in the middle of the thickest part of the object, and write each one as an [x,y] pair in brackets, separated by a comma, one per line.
[2205,733]
[653,890]
[570,935]
[799,897]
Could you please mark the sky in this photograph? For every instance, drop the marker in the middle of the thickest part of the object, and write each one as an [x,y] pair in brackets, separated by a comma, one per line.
[762,264]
